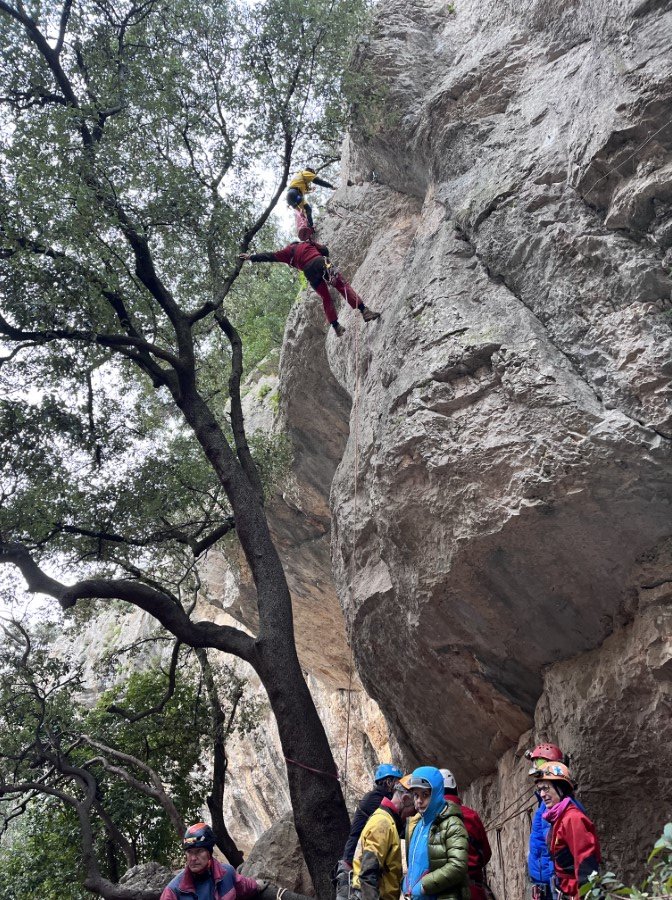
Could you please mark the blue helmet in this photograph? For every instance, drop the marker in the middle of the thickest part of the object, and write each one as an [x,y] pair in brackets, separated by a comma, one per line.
[387,771]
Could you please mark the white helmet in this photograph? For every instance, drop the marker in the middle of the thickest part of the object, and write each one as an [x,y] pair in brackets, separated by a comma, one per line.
[449,783]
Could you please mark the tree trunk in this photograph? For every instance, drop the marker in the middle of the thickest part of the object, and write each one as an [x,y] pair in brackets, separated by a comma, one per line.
[320,816]
[215,798]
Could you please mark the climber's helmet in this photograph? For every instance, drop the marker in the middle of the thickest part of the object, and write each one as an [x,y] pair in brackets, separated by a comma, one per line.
[449,783]
[199,837]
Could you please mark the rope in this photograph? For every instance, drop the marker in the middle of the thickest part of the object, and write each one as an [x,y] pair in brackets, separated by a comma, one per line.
[513,815]
[281,892]
[309,769]
[501,859]
[501,812]
[354,547]
[634,153]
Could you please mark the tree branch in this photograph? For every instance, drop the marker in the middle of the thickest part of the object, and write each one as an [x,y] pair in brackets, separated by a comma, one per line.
[197,547]
[158,707]
[237,419]
[218,734]
[89,337]
[65,15]
[154,601]
[155,790]
[116,835]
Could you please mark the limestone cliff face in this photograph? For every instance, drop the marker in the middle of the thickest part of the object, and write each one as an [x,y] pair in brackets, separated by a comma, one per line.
[509,424]
[480,494]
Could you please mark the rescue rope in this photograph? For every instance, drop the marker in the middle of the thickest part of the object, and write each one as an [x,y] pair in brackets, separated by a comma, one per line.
[501,812]
[281,892]
[352,562]
[500,854]
[309,769]
[627,159]
[514,815]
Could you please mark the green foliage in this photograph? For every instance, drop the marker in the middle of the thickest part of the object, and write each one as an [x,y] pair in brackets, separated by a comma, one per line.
[182,111]
[40,857]
[260,303]
[42,723]
[656,886]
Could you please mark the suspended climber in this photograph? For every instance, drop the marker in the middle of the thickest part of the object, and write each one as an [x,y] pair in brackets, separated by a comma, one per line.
[312,259]
[301,184]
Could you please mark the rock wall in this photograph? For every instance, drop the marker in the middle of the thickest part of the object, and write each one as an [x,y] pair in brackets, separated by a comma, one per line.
[510,433]
[481,481]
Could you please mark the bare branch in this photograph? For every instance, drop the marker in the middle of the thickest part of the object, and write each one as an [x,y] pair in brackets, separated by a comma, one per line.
[155,790]
[89,337]
[219,730]
[65,15]
[117,836]
[156,602]
[237,419]
[198,547]
[158,707]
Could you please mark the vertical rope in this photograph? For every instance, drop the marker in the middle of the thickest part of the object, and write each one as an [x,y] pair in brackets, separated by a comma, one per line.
[354,544]
[501,859]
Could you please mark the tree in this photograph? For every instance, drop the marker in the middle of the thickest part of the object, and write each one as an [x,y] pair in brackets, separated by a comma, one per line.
[126,778]
[134,137]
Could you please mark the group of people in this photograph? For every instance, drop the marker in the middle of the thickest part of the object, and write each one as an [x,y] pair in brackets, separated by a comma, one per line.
[447,847]
[311,257]
[446,844]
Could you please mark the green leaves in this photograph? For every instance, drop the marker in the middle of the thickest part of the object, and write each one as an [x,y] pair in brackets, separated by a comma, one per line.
[656,886]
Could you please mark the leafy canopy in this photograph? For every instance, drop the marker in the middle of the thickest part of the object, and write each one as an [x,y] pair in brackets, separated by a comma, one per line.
[142,135]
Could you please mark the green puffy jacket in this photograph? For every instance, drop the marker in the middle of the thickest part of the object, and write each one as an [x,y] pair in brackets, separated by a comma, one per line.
[448,853]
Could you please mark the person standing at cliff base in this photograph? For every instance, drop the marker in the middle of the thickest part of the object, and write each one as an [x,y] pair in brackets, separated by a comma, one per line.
[539,862]
[312,259]
[377,865]
[479,846]
[436,842]
[384,778]
[203,877]
[301,184]
[573,841]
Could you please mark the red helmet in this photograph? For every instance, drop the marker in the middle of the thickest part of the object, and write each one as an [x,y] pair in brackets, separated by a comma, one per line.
[305,233]
[546,751]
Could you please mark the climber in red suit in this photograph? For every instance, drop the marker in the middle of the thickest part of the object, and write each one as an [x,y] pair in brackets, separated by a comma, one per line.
[312,259]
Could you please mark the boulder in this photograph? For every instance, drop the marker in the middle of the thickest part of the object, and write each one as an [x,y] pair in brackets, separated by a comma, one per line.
[277,857]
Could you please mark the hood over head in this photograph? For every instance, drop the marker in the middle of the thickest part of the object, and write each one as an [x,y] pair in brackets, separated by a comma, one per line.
[437,801]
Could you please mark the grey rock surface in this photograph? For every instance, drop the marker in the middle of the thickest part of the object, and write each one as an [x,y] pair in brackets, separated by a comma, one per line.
[505,493]
[147,877]
[277,857]
[611,710]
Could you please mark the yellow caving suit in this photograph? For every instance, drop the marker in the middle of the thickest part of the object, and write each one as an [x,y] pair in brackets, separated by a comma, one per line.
[303,181]
[376,867]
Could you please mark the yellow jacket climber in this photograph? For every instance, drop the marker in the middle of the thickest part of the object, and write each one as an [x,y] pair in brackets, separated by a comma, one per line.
[376,867]
[300,185]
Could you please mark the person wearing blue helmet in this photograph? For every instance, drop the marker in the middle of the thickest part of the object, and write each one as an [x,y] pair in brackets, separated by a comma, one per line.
[436,842]
[385,778]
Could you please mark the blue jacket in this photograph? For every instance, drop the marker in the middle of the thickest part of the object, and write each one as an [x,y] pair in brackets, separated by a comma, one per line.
[539,862]
[418,851]
[224,884]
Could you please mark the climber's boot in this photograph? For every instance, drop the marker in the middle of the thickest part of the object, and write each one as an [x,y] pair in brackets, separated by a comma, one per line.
[338,328]
[368,314]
